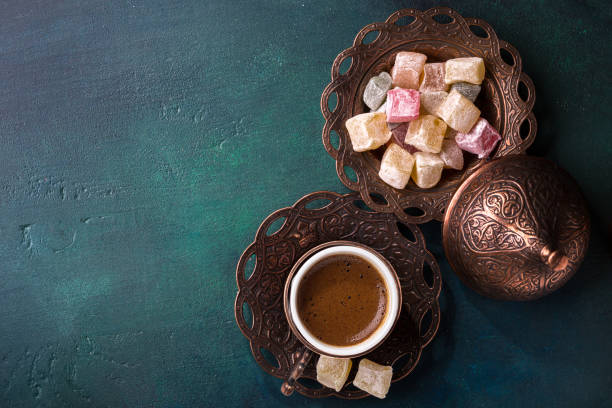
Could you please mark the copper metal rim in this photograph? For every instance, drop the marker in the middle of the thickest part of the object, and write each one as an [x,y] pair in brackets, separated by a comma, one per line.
[506,100]
[516,229]
[297,266]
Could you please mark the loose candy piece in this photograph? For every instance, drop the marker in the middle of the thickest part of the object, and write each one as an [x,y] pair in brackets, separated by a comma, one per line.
[368,131]
[469,69]
[480,140]
[375,379]
[431,100]
[402,105]
[451,155]
[470,91]
[427,169]
[426,133]
[433,78]
[406,71]
[396,166]
[376,90]
[458,112]
[399,137]
[333,372]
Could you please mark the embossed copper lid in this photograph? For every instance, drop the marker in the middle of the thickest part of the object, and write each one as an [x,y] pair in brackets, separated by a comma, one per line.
[516,229]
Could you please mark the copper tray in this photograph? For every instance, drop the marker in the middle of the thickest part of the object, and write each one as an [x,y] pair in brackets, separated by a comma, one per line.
[506,100]
[336,217]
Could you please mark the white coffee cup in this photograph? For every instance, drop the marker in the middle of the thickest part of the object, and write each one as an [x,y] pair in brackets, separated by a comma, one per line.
[315,256]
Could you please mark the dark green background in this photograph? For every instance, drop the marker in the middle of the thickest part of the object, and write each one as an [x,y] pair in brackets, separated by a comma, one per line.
[142,143]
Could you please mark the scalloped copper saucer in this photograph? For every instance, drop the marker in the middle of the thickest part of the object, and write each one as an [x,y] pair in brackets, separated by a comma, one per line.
[306,225]
[506,100]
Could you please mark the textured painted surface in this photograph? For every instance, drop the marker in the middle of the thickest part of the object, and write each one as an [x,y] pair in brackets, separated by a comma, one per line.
[142,143]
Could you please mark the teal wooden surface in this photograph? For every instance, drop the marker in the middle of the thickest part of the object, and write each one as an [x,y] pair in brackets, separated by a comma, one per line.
[142,143]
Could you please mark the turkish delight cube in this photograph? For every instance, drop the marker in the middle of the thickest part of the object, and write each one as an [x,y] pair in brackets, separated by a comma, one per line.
[471,69]
[426,133]
[466,89]
[375,379]
[458,112]
[480,140]
[402,105]
[430,101]
[376,90]
[396,166]
[407,69]
[368,131]
[333,372]
[433,78]
[427,169]
[451,155]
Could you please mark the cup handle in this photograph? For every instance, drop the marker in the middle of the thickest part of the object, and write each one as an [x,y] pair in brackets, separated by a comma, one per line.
[301,358]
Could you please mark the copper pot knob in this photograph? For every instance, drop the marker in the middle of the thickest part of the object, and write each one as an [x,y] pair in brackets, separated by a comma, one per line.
[554,259]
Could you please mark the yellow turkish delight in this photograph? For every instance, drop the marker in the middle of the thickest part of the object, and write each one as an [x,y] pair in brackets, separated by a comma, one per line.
[427,169]
[368,131]
[333,372]
[426,133]
[396,166]
[458,112]
[471,69]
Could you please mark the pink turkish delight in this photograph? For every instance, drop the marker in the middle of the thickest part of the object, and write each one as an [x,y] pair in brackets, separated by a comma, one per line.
[402,105]
[408,68]
[433,78]
[480,140]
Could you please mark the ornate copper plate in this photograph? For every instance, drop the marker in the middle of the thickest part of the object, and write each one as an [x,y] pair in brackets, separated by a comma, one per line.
[506,100]
[517,229]
[342,217]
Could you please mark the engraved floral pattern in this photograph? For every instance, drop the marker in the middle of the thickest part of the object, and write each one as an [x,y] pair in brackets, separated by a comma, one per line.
[484,234]
[278,257]
[499,219]
[306,233]
[271,290]
[275,322]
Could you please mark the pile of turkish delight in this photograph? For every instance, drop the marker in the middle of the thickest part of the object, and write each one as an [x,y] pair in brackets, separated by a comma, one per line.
[425,115]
